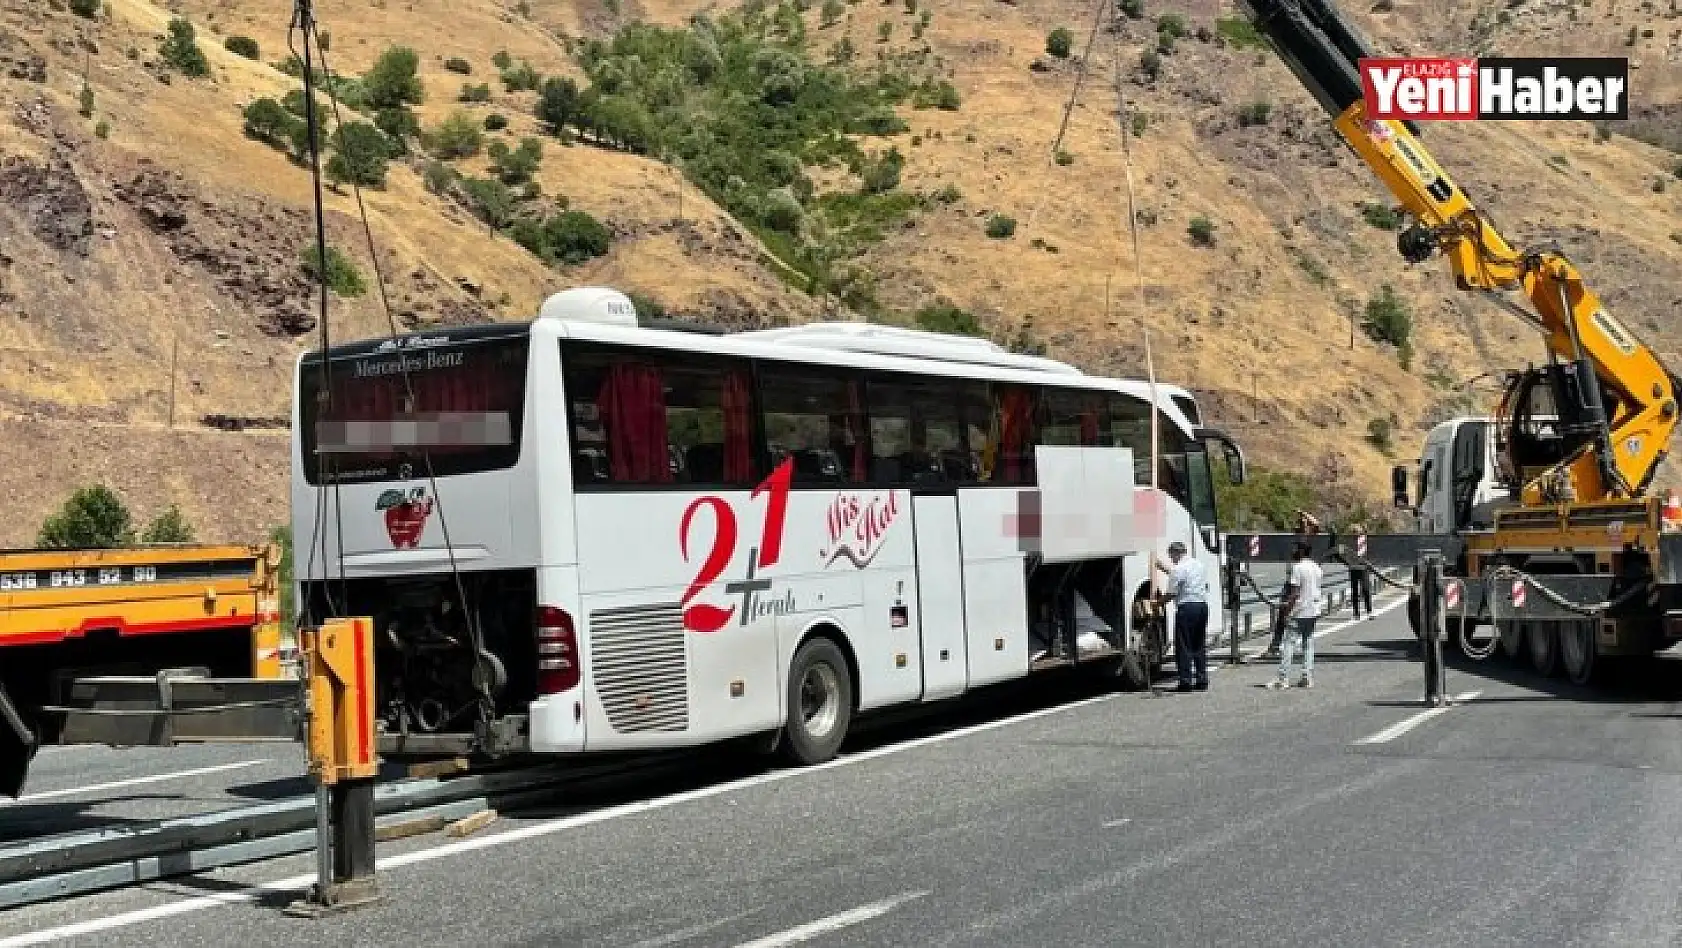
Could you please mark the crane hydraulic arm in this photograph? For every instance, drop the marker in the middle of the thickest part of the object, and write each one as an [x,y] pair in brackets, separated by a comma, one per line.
[1614,401]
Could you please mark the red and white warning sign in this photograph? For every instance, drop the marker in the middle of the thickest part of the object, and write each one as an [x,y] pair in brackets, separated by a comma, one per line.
[1361,546]
[1451,594]
[1255,546]
[1518,593]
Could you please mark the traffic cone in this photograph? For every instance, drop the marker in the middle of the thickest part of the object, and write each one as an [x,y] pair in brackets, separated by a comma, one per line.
[1670,519]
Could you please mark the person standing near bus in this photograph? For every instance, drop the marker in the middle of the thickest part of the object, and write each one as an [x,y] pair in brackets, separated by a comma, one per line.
[1188,584]
[1360,580]
[1303,610]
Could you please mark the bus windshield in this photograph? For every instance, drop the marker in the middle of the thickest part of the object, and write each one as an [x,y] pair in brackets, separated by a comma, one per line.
[454,400]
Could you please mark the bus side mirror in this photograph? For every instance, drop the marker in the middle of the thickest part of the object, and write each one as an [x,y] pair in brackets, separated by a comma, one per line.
[1399,487]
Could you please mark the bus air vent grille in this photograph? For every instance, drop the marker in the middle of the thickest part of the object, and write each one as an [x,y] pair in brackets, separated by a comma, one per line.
[639,662]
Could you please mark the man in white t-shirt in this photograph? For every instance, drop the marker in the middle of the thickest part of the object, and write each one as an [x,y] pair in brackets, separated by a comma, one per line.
[1302,611]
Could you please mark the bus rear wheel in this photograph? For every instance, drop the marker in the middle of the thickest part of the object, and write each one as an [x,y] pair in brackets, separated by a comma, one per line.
[820,703]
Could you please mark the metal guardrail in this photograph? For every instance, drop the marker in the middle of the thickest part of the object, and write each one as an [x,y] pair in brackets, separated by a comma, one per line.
[84,861]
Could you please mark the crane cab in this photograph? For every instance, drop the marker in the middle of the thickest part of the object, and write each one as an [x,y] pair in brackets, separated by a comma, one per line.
[1457,480]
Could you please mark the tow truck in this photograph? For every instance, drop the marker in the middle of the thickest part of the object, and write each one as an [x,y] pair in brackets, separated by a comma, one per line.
[71,615]
[1577,563]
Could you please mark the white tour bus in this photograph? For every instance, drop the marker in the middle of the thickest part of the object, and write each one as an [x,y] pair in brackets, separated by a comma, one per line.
[581,534]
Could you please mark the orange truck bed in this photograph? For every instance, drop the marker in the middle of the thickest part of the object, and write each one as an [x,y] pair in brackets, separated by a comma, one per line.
[133,610]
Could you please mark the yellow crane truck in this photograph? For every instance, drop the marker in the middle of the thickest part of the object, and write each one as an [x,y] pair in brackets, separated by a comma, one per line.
[1581,564]
[66,614]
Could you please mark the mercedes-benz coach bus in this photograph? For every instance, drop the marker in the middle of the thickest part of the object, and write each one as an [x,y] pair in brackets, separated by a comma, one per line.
[580,534]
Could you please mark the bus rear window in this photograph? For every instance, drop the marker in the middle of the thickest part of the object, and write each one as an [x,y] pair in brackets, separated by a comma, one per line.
[457,402]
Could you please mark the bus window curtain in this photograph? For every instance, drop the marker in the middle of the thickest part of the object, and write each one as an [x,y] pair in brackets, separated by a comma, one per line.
[1089,428]
[1016,416]
[738,429]
[633,409]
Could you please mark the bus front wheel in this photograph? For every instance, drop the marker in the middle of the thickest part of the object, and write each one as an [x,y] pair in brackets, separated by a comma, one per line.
[820,703]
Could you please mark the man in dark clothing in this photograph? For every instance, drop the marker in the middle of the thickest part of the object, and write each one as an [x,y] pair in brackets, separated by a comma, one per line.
[1360,580]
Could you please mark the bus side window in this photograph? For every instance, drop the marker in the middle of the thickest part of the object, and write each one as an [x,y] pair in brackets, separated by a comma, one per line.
[916,433]
[643,416]
[1012,436]
[815,415]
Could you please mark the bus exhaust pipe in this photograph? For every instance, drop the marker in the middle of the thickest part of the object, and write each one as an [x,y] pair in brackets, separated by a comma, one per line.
[17,748]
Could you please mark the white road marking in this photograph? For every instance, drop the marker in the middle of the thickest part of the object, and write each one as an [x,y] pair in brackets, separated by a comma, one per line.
[693,931]
[529,831]
[833,923]
[1112,824]
[136,781]
[1407,724]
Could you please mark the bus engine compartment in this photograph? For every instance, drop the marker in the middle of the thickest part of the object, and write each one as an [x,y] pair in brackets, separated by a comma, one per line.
[454,654]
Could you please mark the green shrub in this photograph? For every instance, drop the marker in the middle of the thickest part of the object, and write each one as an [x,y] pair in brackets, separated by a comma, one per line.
[501,59]
[1150,63]
[459,66]
[831,13]
[168,527]
[1379,433]
[1060,42]
[516,165]
[458,136]
[1202,231]
[1140,122]
[394,81]
[1171,25]
[1255,113]
[399,125]
[1239,32]
[242,46]
[1133,9]
[343,278]
[1381,216]
[437,176]
[360,153]
[882,174]
[1388,319]
[87,8]
[558,104]
[93,518]
[269,122]
[490,200]
[943,316]
[1064,158]
[496,122]
[575,236]
[521,78]
[474,93]
[180,50]
[102,129]
[1001,227]
[85,100]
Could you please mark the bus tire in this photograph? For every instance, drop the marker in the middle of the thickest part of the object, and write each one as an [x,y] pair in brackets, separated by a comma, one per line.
[820,703]
[1131,672]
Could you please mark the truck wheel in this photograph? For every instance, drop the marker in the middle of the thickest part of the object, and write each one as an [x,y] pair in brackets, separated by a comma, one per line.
[1544,647]
[820,703]
[1577,651]
[1512,639]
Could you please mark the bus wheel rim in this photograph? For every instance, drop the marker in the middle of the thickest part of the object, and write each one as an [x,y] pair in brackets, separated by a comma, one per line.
[820,700]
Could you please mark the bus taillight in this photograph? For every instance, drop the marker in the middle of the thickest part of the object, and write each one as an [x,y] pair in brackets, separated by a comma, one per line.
[557,651]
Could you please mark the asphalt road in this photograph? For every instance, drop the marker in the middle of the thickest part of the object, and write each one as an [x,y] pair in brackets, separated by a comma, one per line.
[1532,813]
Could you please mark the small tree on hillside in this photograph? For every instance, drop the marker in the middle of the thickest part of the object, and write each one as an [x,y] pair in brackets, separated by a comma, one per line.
[168,527]
[394,81]
[93,518]
[359,155]
[1060,42]
[180,49]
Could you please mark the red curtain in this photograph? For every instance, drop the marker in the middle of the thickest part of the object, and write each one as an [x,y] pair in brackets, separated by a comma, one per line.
[738,429]
[633,409]
[1016,416]
[1089,428]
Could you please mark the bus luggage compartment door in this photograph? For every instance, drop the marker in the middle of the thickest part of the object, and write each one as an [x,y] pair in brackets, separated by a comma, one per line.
[940,596]
[17,747]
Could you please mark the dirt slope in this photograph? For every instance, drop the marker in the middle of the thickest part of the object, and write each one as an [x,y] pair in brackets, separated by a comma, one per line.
[175,239]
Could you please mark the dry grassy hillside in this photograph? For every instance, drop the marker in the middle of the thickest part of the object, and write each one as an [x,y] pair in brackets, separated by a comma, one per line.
[175,237]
